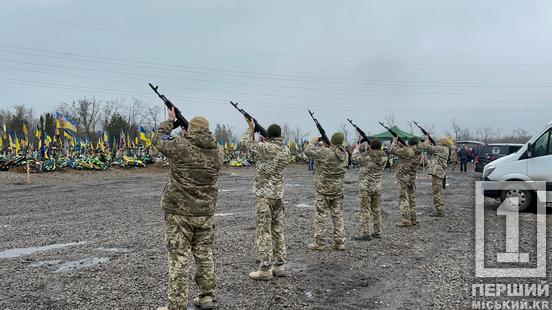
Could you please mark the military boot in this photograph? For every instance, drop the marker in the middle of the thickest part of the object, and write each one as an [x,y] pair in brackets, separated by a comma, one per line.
[404,223]
[437,214]
[376,235]
[279,271]
[315,246]
[261,275]
[339,247]
[363,238]
[205,302]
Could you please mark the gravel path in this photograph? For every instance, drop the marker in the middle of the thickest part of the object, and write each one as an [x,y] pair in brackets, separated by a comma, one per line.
[110,255]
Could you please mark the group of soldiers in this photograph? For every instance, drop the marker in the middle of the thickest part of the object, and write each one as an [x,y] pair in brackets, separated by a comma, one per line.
[190,196]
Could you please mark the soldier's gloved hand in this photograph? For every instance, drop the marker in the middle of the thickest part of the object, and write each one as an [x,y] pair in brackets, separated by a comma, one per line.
[315,140]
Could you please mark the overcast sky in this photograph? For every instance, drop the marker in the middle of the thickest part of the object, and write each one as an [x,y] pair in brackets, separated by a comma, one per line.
[483,63]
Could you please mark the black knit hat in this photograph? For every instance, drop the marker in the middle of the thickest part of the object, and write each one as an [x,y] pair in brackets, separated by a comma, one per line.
[274,131]
[413,141]
[375,144]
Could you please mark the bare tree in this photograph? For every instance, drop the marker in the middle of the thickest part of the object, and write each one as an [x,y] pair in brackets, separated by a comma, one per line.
[286,132]
[521,133]
[110,108]
[484,134]
[345,130]
[456,129]
[298,135]
[389,120]
[465,134]
[411,127]
[430,128]
[14,121]
[85,112]
[135,111]
[498,133]
[152,115]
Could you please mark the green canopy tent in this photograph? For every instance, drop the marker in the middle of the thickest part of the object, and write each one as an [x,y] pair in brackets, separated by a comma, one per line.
[387,136]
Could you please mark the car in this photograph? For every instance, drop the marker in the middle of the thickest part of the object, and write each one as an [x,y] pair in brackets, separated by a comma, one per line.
[532,162]
[494,151]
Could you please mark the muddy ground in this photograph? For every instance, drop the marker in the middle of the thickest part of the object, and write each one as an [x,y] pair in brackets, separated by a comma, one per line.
[114,257]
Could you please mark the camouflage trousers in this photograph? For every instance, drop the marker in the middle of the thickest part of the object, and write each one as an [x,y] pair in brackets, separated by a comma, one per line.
[437,189]
[370,212]
[335,207]
[270,232]
[185,233]
[407,199]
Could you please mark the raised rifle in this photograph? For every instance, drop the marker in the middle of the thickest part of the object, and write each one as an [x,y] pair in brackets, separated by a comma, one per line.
[360,132]
[426,133]
[180,121]
[401,141]
[323,137]
[258,128]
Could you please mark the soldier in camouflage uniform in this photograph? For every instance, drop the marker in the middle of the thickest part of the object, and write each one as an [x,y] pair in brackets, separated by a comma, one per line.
[271,158]
[409,160]
[189,201]
[372,162]
[329,172]
[438,172]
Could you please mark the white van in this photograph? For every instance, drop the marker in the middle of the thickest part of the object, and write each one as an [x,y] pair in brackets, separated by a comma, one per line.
[532,162]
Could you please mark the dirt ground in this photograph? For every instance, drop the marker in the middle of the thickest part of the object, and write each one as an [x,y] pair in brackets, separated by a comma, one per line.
[107,230]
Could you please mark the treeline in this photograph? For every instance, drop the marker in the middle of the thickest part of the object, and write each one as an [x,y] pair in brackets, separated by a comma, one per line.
[112,117]
[116,116]
[488,134]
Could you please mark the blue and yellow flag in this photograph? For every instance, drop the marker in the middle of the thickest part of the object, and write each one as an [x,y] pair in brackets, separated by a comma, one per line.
[17,144]
[11,145]
[58,127]
[66,122]
[47,140]
[68,135]
[144,137]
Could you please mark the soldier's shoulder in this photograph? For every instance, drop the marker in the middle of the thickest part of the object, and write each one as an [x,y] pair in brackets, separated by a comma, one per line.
[167,137]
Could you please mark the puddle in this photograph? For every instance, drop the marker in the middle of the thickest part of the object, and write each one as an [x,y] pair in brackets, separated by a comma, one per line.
[225,214]
[80,264]
[46,263]
[27,251]
[304,205]
[114,250]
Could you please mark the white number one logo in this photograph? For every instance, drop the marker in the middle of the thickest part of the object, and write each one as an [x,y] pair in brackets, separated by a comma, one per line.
[509,208]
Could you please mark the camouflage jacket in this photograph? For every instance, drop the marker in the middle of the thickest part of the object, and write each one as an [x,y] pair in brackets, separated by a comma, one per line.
[409,160]
[271,158]
[438,160]
[372,163]
[329,169]
[195,161]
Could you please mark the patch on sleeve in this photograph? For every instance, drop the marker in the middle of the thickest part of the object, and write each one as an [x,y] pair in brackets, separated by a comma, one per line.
[166,137]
